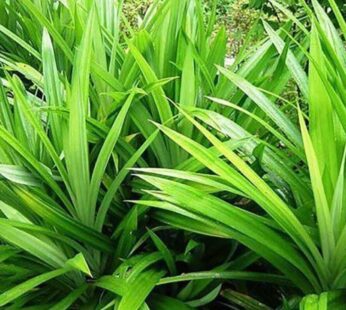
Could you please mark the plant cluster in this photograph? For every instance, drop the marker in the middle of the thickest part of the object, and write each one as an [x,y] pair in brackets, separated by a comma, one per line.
[139,173]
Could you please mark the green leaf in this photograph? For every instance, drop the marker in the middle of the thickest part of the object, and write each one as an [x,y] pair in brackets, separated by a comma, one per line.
[47,253]
[139,288]
[18,175]
[266,105]
[292,63]
[50,212]
[243,300]
[106,151]
[28,285]
[106,202]
[77,155]
[67,301]
[20,42]
[78,262]
[166,253]
[113,284]
[322,207]
[52,88]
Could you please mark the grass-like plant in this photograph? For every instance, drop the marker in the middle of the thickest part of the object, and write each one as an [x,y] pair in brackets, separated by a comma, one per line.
[76,99]
[232,184]
[295,178]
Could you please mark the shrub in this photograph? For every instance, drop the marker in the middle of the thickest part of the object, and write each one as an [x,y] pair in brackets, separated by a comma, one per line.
[139,173]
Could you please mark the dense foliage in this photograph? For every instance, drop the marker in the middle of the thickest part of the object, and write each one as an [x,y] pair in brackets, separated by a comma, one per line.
[137,172]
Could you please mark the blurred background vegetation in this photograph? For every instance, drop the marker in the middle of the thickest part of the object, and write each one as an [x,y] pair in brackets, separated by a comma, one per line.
[239,17]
